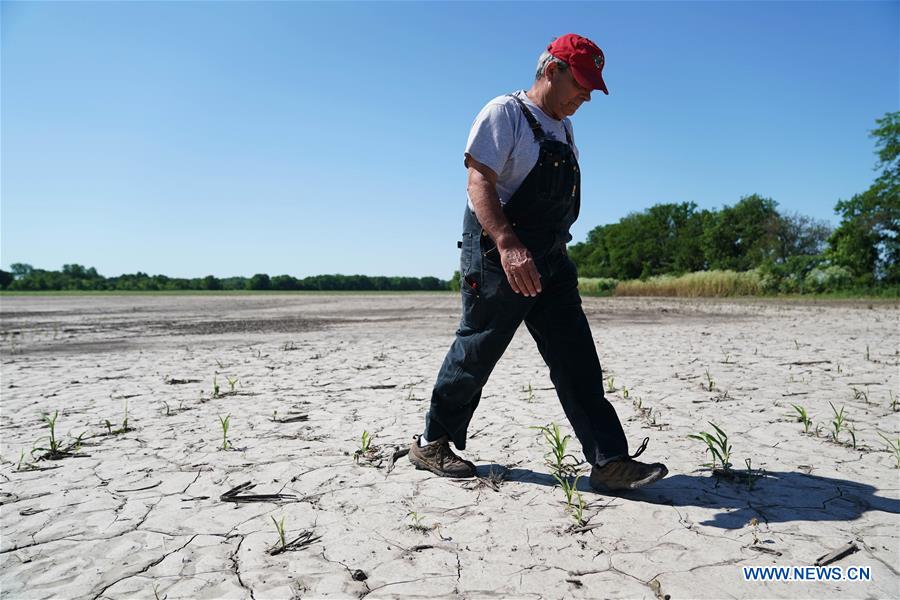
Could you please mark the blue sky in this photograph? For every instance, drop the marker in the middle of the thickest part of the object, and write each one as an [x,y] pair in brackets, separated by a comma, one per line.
[195,138]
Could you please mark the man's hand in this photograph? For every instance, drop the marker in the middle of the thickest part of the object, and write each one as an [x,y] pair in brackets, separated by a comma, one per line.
[520,270]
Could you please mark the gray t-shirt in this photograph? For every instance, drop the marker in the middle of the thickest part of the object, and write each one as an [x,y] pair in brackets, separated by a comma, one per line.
[502,140]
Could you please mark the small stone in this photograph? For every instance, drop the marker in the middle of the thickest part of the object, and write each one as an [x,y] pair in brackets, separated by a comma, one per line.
[359,575]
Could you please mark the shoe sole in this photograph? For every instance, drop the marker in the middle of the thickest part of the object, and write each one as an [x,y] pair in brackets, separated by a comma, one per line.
[424,466]
[600,487]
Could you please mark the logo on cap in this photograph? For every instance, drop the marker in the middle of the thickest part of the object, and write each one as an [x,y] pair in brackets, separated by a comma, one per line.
[598,62]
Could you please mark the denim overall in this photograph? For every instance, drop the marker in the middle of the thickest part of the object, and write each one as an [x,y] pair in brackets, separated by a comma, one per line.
[541,212]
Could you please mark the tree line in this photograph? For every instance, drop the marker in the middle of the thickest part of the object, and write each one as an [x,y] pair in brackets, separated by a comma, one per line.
[790,251]
[24,277]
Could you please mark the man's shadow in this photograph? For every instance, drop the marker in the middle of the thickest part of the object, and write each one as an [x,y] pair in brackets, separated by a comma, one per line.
[775,497]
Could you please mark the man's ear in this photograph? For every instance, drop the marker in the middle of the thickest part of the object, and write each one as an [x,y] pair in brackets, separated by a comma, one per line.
[551,70]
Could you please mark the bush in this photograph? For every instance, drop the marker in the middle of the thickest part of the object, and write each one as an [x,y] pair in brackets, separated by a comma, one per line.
[828,279]
[693,285]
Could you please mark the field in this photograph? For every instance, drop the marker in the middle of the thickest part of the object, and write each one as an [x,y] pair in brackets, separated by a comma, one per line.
[162,407]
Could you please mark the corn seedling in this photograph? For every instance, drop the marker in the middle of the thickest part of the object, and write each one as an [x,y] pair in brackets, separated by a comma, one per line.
[852,431]
[803,417]
[625,392]
[556,458]
[717,445]
[610,385]
[868,356]
[578,510]
[51,423]
[751,476]
[529,393]
[818,429]
[893,446]
[232,381]
[894,403]
[416,524]
[279,527]
[796,345]
[225,423]
[365,445]
[215,387]
[569,487]
[25,465]
[859,394]
[54,449]
[838,423]
[710,384]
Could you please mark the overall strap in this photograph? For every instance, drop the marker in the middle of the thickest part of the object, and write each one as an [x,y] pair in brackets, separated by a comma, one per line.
[536,128]
[568,136]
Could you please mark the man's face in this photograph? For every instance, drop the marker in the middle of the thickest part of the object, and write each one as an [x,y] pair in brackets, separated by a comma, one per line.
[566,93]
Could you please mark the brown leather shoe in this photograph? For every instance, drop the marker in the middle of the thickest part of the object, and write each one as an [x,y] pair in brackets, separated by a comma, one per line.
[626,473]
[438,458]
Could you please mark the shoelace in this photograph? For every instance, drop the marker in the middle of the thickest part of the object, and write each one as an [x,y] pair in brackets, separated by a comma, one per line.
[642,447]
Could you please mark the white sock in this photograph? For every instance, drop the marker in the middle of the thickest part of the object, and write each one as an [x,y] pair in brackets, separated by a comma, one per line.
[422,441]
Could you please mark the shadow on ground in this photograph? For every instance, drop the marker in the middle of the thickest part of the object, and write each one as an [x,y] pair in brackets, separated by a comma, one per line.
[777,497]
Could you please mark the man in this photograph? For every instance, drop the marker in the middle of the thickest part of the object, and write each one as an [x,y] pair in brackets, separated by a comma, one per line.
[524,194]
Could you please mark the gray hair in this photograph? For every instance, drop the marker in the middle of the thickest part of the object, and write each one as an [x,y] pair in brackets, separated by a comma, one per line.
[545,59]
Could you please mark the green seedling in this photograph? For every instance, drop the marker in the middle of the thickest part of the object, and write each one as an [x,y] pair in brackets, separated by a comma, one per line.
[51,423]
[365,445]
[625,392]
[529,393]
[727,358]
[717,445]
[55,449]
[894,403]
[578,510]
[710,384]
[752,476]
[416,524]
[569,487]
[24,465]
[225,424]
[796,345]
[838,423]
[852,431]
[893,446]
[861,395]
[556,459]
[610,385]
[215,387]
[638,403]
[868,356]
[818,429]
[232,381]
[803,417]
[168,411]
[279,527]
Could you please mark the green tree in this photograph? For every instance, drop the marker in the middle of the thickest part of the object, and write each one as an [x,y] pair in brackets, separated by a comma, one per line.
[743,236]
[260,281]
[210,282]
[867,240]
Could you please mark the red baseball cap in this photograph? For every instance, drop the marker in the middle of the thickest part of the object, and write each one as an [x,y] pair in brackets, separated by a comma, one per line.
[583,57]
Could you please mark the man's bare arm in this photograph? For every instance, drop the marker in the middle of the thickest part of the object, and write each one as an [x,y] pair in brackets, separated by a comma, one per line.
[515,258]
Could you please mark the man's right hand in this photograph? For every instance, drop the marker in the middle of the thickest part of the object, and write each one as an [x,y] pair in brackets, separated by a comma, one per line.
[521,272]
